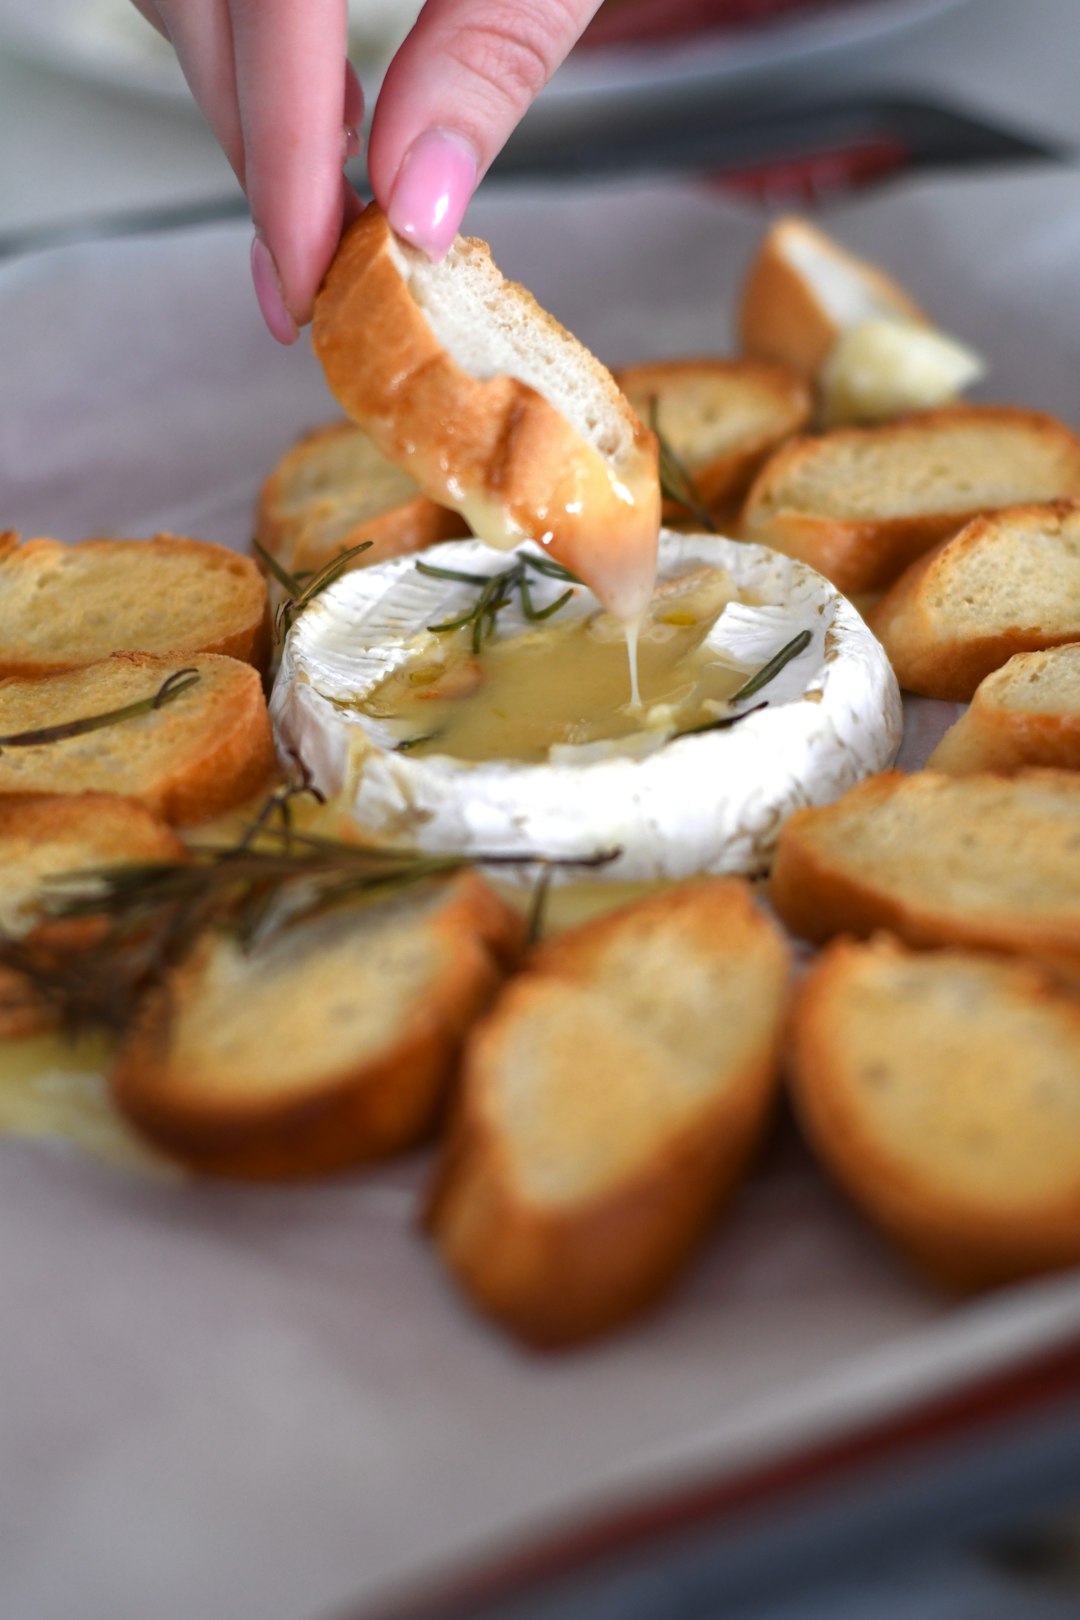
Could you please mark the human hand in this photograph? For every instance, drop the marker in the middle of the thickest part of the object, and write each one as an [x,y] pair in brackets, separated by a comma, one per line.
[272,79]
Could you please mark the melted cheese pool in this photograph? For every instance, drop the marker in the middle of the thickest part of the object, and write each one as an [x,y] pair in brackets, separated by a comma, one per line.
[564,683]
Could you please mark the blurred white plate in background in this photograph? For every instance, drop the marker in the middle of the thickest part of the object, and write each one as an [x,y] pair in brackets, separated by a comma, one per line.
[107,42]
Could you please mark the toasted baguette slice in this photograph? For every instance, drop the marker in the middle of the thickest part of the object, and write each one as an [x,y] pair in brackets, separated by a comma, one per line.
[989,861]
[333,490]
[1003,585]
[42,837]
[803,290]
[463,380]
[209,749]
[943,1090]
[1026,713]
[608,1105]
[329,1044]
[860,504]
[722,418]
[62,607]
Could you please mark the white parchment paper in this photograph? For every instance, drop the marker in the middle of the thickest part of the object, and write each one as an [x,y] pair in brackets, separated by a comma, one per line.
[265,1404]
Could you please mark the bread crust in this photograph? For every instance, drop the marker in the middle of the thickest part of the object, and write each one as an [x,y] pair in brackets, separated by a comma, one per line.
[722,479]
[376,1107]
[937,665]
[296,539]
[818,899]
[481,446]
[244,633]
[868,554]
[561,1275]
[781,318]
[962,1244]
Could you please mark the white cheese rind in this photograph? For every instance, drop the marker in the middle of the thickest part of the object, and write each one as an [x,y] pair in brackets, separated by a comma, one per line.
[706,803]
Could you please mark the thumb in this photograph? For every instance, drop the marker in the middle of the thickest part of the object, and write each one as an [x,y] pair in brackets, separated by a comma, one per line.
[451,97]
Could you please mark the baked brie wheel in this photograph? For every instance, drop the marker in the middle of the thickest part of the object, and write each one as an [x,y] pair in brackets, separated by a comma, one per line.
[507,729]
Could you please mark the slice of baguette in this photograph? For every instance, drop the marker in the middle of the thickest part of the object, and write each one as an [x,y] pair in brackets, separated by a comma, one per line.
[1005,584]
[609,1104]
[860,504]
[329,1044]
[43,836]
[722,418]
[333,490]
[982,860]
[803,290]
[463,380]
[62,607]
[201,754]
[943,1090]
[1026,713]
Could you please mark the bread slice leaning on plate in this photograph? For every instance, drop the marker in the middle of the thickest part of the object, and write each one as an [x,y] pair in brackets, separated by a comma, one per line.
[62,607]
[608,1106]
[1025,713]
[327,1044]
[984,860]
[1006,584]
[462,380]
[942,1089]
[860,504]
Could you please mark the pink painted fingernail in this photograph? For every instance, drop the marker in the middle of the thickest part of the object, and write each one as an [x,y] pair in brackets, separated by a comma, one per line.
[351,141]
[275,311]
[432,191]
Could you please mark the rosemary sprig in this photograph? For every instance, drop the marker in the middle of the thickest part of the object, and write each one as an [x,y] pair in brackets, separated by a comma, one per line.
[132,924]
[749,688]
[676,483]
[302,590]
[496,591]
[768,672]
[407,744]
[174,686]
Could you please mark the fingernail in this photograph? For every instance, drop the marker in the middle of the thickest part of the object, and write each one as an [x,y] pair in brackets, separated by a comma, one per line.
[351,144]
[275,312]
[432,191]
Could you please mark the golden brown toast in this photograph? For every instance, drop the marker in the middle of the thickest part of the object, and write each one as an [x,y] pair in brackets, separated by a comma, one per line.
[329,1044]
[722,418]
[331,491]
[43,836]
[942,1089]
[206,751]
[609,1104]
[861,504]
[460,378]
[984,861]
[1005,584]
[62,607]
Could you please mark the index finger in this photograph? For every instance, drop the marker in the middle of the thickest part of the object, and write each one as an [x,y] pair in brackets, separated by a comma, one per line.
[290,60]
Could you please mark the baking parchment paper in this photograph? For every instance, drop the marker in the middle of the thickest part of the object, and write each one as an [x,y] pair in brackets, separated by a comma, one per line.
[265,1404]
